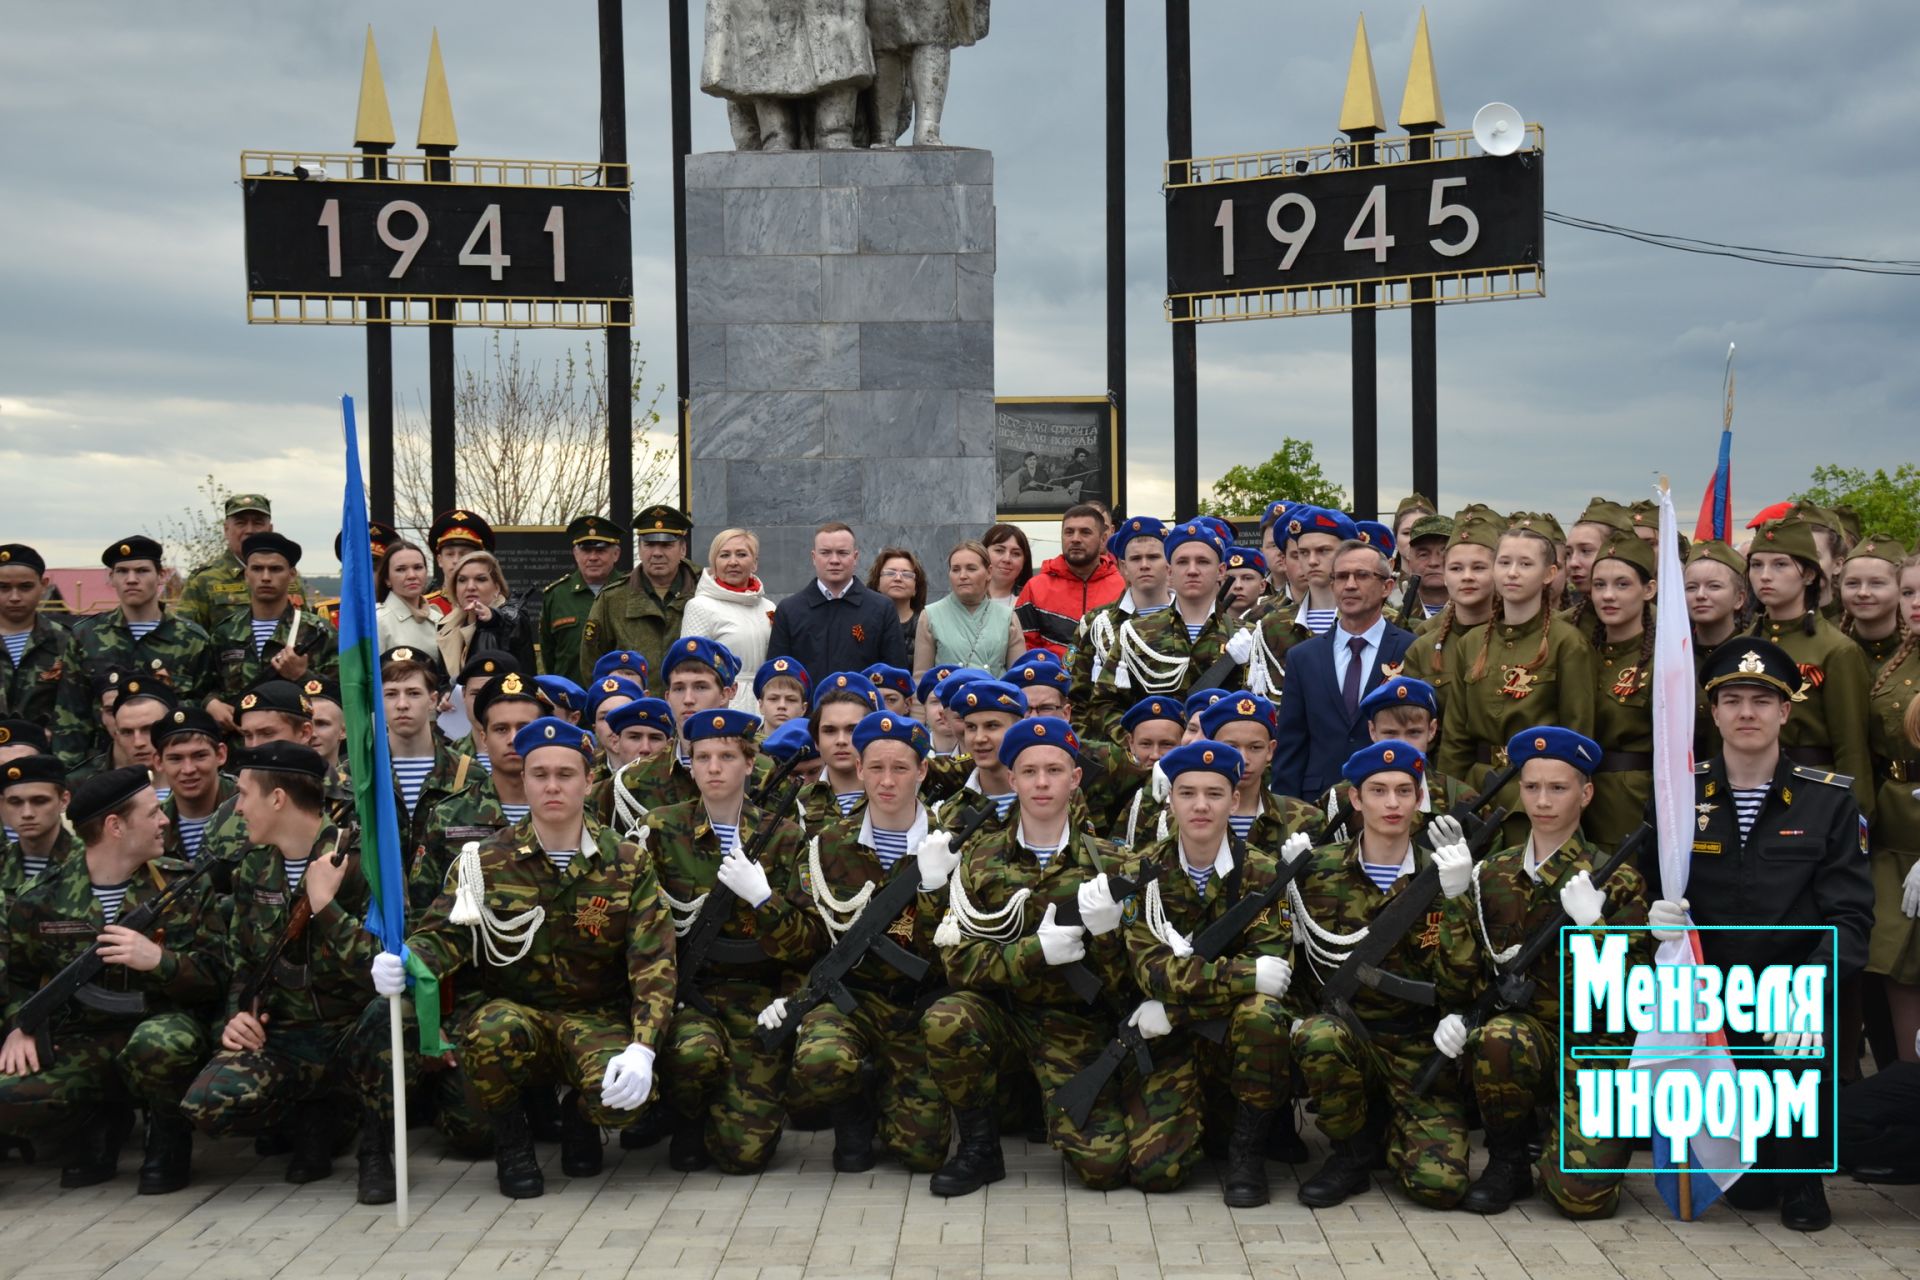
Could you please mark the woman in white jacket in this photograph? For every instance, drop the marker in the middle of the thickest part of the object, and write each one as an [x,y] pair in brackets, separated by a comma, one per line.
[730,606]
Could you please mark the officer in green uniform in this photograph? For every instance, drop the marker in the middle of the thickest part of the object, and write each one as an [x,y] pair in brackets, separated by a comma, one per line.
[219,588]
[565,603]
[136,1034]
[251,643]
[1167,652]
[37,652]
[644,611]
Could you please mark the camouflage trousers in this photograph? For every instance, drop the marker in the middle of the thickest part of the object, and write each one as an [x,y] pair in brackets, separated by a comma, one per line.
[250,1091]
[972,1037]
[506,1047]
[437,1084]
[1194,1079]
[150,1064]
[1352,1076]
[829,1052]
[715,1069]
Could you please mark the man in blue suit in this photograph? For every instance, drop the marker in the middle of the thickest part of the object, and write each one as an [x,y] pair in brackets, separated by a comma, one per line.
[1327,676]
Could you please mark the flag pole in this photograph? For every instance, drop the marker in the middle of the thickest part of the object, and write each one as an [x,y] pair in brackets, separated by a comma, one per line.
[397,1035]
[1685,1181]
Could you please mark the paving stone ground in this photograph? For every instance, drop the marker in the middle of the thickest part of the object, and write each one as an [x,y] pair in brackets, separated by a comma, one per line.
[800,1220]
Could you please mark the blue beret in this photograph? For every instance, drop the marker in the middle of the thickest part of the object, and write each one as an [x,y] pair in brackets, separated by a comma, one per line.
[551,731]
[708,653]
[650,713]
[1040,671]
[1200,699]
[1204,755]
[1374,534]
[1041,731]
[612,687]
[988,695]
[949,686]
[889,727]
[1400,691]
[724,722]
[621,660]
[775,668]
[1277,513]
[1390,756]
[1221,528]
[1135,527]
[1237,708]
[929,678]
[898,679]
[1033,655]
[562,692]
[1247,558]
[1551,742]
[853,682]
[1307,519]
[792,740]
[1194,531]
[1154,708]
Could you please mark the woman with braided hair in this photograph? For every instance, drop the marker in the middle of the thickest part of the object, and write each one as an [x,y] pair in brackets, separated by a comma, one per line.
[1893,734]
[1619,607]
[1469,575]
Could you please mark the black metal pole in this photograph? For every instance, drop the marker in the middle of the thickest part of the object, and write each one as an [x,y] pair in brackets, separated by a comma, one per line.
[1426,394]
[613,154]
[679,52]
[1186,390]
[379,414]
[1366,390]
[1117,239]
[440,423]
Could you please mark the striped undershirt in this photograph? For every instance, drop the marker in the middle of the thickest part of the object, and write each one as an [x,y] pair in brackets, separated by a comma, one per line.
[1200,876]
[889,847]
[263,629]
[192,832]
[17,645]
[561,857]
[1149,611]
[1383,874]
[161,793]
[34,863]
[1043,854]
[111,898]
[141,630]
[296,869]
[1319,620]
[516,813]
[1193,631]
[847,799]
[1242,823]
[411,773]
[486,762]
[1431,610]
[727,835]
[1002,803]
[1746,806]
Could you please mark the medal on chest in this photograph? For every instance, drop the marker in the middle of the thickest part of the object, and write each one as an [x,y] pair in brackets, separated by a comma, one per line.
[1517,682]
[1429,935]
[1627,683]
[591,916]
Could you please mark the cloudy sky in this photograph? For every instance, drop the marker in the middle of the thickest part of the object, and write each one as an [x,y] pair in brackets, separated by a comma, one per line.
[127,372]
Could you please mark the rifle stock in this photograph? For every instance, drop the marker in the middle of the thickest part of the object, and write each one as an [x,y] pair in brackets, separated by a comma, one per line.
[697,951]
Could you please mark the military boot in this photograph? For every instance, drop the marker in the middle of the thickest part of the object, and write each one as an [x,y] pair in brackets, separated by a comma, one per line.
[977,1161]
[543,1113]
[854,1122]
[654,1124]
[1803,1205]
[169,1152]
[1507,1177]
[1283,1137]
[1346,1172]
[687,1151]
[312,1135]
[580,1151]
[377,1179]
[514,1165]
[1245,1183]
[96,1150]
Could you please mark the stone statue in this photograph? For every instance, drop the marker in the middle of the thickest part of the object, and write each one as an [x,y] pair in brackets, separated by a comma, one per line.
[834,74]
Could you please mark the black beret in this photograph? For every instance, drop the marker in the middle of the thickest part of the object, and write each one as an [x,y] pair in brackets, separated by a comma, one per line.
[275,695]
[489,663]
[271,543]
[136,547]
[182,721]
[426,658]
[512,687]
[138,686]
[13,553]
[22,733]
[104,792]
[281,757]
[315,688]
[34,768]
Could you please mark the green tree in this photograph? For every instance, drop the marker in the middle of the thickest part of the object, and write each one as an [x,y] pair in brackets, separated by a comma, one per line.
[1888,504]
[1290,473]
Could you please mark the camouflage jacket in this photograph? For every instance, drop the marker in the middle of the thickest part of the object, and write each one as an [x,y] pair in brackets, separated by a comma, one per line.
[686,856]
[1120,685]
[1279,817]
[661,780]
[238,667]
[218,589]
[629,615]
[605,944]
[1339,898]
[471,813]
[14,879]
[1109,775]
[174,847]
[1193,989]
[30,689]
[323,976]
[1278,632]
[452,774]
[179,651]
[817,807]
[842,858]
[1444,795]
[54,920]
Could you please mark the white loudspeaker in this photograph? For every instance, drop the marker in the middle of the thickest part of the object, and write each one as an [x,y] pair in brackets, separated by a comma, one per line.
[1499,129]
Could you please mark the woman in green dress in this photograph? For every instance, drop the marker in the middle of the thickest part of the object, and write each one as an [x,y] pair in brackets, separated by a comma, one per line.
[1617,617]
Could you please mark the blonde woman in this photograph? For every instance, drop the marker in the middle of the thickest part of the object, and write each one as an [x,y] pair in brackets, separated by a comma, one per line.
[729,605]
[483,616]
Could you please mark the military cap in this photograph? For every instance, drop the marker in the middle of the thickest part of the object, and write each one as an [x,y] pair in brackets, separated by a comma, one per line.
[949,688]
[318,690]
[1825,517]
[888,726]
[1389,756]
[19,553]
[1633,549]
[1222,529]
[661,523]
[562,693]
[590,529]
[1239,708]
[1278,512]
[380,539]
[1310,519]
[1200,699]
[1156,707]
[791,741]
[1400,691]
[1775,511]
[1412,502]
[1478,525]
[270,543]
[1041,731]
[1753,661]
[487,664]
[136,687]
[104,792]
[38,767]
[782,669]
[551,731]
[136,546]
[1430,527]
[1038,673]
[651,713]
[853,682]
[426,659]
[239,502]
[281,757]
[898,679]
[1374,534]
[1033,655]
[708,653]
[182,721]
[722,722]
[1203,755]
[275,695]
[930,678]
[1878,546]
[1551,742]
[1539,522]
[460,525]
[987,695]
[512,687]
[612,687]
[1194,531]
[616,660]
[1852,525]
[1247,558]
[1607,512]
[1791,535]
[1719,553]
[1135,527]
[15,732]
[1645,514]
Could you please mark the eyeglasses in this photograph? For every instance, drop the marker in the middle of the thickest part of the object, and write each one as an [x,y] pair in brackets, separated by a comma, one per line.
[907,574]
[1354,576]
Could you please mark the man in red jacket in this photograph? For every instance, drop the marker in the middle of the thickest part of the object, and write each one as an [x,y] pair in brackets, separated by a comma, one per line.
[1083,577]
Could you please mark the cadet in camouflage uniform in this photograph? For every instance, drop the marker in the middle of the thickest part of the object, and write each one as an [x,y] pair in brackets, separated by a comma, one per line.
[726,1091]
[833,1051]
[38,652]
[217,589]
[410,684]
[190,751]
[33,803]
[1167,652]
[1193,878]
[1109,774]
[1356,1072]
[1145,569]
[641,730]
[486,803]
[1514,1059]
[699,674]
[840,702]
[986,709]
[241,659]
[139,634]
[136,1034]
[643,612]
[566,603]
[582,992]
[1005,948]
[1406,709]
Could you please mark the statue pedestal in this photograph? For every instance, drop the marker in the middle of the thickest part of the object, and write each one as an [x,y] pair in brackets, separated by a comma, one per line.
[840,334]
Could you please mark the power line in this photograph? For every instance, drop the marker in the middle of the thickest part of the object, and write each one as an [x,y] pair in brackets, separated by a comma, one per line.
[1746,253]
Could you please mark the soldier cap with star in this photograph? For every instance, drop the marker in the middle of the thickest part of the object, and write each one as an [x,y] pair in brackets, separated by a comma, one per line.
[15,732]
[1155,707]
[1605,511]
[136,546]
[562,693]
[1551,742]
[39,767]
[615,661]
[649,713]
[1247,558]
[612,687]
[318,690]
[1135,527]
[591,530]
[427,662]
[1200,699]
[1400,691]
[1040,673]
[460,525]
[1540,522]
[1308,519]
[949,688]
[104,792]
[855,683]
[1632,549]
[1412,502]
[1041,731]
[184,722]
[1878,546]
[1477,525]
[551,731]
[1196,532]
[271,544]
[487,664]
[283,696]
[1390,755]
[1203,755]
[135,687]
[281,757]
[722,722]
[898,679]
[982,696]
[661,523]
[1749,660]
[890,726]
[511,687]
[929,680]
[1719,553]
[703,652]
[782,669]
[1790,536]
[14,554]
[1374,534]
[1239,708]
[380,539]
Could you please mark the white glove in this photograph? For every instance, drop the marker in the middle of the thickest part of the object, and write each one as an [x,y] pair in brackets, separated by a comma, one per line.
[1450,1037]
[1455,863]
[1910,893]
[389,974]
[748,880]
[774,1014]
[1060,943]
[629,1078]
[1098,911]
[1583,902]
[1151,1020]
[1240,646]
[1795,1044]
[1669,919]
[937,858]
[1271,975]
[1446,829]
[1297,843]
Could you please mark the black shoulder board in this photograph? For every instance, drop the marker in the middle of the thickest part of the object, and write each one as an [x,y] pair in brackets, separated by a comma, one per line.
[1702,767]
[1822,775]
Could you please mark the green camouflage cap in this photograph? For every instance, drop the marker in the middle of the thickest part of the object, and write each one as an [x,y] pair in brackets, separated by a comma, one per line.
[236,503]
[1430,527]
